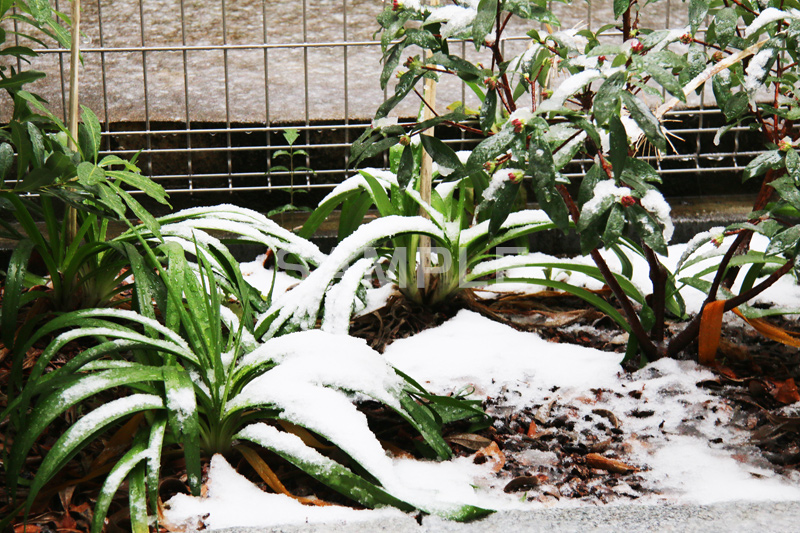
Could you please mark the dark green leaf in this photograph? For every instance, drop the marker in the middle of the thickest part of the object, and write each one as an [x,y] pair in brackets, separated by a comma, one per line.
[736,105]
[606,102]
[618,141]
[761,163]
[785,242]
[501,205]
[489,148]
[725,25]
[594,176]
[697,12]
[91,145]
[18,80]
[405,170]
[542,170]
[647,228]
[614,226]
[6,162]
[484,21]
[35,179]
[183,420]
[787,189]
[620,6]
[442,154]
[696,63]
[391,63]
[646,120]
[662,76]
[488,111]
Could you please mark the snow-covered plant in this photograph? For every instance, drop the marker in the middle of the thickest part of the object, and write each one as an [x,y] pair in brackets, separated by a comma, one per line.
[203,383]
[577,92]
[391,243]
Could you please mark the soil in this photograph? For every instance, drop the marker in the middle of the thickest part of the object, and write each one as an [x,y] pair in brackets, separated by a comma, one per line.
[755,374]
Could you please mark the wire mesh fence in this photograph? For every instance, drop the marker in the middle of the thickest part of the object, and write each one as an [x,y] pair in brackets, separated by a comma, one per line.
[203,91]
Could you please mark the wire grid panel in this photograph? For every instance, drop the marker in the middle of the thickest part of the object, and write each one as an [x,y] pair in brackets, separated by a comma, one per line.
[203,90]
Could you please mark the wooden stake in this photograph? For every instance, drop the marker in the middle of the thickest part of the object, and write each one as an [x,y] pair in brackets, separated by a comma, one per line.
[426,174]
[71,216]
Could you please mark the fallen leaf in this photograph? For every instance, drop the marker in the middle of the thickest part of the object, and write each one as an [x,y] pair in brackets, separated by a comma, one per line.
[785,392]
[595,460]
[532,429]
[493,454]
[609,415]
[470,441]
[774,333]
[524,483]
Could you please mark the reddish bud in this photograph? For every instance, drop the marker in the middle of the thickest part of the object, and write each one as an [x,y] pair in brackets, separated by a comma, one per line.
[518,125]
[627,201]
[405,140]
[602,59]
[636,46]
[396,4]
[717,56]
[491,83]
[515,176]
[489,166]
[686,38]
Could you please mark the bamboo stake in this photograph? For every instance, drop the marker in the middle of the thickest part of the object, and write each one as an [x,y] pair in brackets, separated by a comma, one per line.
[426,175]
[71,215]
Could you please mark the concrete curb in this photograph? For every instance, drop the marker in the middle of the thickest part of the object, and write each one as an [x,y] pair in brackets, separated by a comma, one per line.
[729,517]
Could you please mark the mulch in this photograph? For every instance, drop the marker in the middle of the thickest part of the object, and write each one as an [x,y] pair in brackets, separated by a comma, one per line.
[754,374]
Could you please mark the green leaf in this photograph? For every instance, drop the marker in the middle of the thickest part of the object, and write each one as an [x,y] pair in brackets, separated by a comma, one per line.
[142,183]
[488,111]
[483,22]
[646,120]
[697,12]
[115,477]
[662,76]
[606,102]
[379,195]
[6,162]
[787,189]
[291,135]
[18,80]
[391,62]
[620,6]
[489,148]
[321,468]
[183,420]
[80,434]
[648,229]
[614,226]
[542,169]
[442,154]
[37,144]
[618,141]
[725,25]
[760,164]
[92,125]
[405,170]
[90,174]
[14,284]
[736,105]
[36,179]
[501,205]
[696,63]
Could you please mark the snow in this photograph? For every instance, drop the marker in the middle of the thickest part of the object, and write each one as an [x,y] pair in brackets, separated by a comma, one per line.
[768,16]
[687,449]
[655,203]
[456,18]
[602,191]
[756,70]
[569,87]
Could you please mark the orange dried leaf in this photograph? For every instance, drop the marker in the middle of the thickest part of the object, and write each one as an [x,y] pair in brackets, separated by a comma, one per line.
[595,460]
[771,332]
[493,454]
[710,332]
[269,477]
[786,392]
[532,429]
